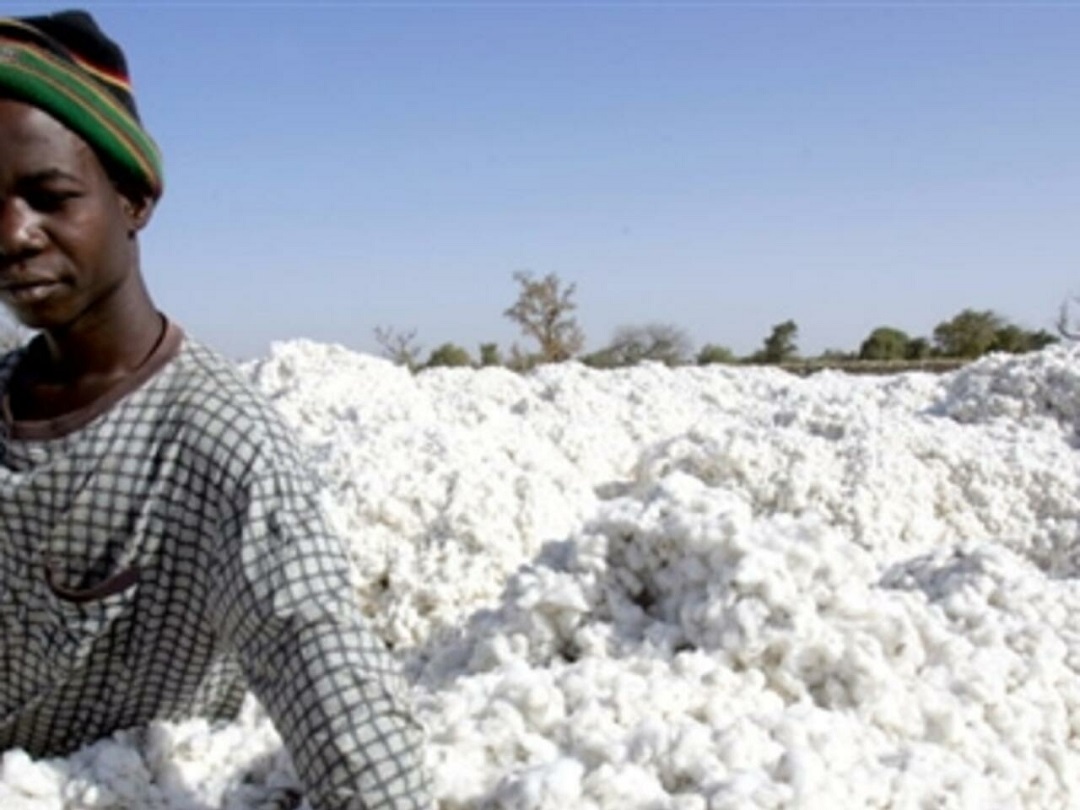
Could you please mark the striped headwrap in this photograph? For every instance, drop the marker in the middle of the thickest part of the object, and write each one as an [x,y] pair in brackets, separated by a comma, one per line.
[64,64]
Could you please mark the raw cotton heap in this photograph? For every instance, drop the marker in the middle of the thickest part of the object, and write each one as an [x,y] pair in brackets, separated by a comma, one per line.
[682,589]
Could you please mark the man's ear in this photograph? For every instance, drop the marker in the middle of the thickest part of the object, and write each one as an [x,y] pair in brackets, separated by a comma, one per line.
[137,208]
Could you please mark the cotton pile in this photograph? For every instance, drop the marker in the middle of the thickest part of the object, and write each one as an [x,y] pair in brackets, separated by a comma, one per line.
[681,589]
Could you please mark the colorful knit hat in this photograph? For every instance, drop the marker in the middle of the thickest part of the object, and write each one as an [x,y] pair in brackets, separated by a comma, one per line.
[64,64]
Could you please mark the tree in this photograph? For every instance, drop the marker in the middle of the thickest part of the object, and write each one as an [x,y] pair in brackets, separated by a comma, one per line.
[1040,339]
[1065,324]
[543,311]
[1010,338]
[489,354]
[399,346]
[712,353]
[631,345]
[520,360]
[1015,340]
[918,349]
[448,355]
[885,343]
[971,333]
[780,345]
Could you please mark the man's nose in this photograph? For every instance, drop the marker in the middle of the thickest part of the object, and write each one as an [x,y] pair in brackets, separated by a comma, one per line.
[20,229]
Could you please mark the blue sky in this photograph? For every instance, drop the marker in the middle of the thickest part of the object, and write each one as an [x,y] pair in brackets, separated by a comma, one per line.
[723,167]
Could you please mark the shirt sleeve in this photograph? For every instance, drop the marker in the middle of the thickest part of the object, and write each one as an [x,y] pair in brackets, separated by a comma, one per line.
[333,691]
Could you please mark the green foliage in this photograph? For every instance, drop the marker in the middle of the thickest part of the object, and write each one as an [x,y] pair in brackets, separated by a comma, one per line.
[1040,339]
[544,310]
[973,334]
[712,353]
[1011,338]
[918,349]
[970,334]
[780,345]
[489,354]
[656,342]
[448,355]
[885,343]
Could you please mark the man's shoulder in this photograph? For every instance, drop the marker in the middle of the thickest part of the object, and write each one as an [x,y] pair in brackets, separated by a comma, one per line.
[217,412]
[204,379]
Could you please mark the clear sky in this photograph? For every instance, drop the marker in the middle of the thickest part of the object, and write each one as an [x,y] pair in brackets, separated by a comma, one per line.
[723,167]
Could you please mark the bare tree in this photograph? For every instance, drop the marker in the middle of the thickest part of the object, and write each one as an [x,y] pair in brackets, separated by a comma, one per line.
[399,346]
[659,342]
[521,360]
[543,311]
[1065,324]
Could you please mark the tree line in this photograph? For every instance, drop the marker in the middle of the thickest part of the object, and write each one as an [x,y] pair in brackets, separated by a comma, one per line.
[545,308]
[545,312]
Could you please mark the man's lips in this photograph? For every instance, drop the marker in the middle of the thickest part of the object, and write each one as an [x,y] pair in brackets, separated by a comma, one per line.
[28,290]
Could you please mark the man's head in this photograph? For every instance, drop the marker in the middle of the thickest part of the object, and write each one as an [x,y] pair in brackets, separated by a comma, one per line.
[65,65]
[78,176]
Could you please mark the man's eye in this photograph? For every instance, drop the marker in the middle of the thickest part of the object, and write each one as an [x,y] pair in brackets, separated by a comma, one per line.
[49,200]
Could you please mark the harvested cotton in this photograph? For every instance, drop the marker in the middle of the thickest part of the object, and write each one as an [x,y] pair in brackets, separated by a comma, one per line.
[681,589]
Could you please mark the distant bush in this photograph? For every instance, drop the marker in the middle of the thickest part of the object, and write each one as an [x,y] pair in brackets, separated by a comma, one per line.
[448,355]
[656,342]
[780,345]
[711,353]
[885,343]
[490,355]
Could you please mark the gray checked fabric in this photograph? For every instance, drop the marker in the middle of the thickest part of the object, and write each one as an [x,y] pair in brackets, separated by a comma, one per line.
[164,555]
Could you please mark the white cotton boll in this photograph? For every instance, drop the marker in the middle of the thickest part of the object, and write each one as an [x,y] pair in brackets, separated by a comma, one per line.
[687,802]
[752,788]
[803,769]
[115,776]
[689,762]
[555,594]
[648,741]
[554,785]
[615,785]
[596,734]
[10,799]
[29,779]
[462,770]
[744,743]
[231,765]
[534,694]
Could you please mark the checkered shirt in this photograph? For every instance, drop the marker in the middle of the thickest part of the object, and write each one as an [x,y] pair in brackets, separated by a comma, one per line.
[170,552]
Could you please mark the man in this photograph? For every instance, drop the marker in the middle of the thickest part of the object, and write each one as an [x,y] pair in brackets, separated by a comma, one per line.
[162,548]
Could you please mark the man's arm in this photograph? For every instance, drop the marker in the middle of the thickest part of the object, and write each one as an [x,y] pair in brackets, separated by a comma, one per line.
[335,694]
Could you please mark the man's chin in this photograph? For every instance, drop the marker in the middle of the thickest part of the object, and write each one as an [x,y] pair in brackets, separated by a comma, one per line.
[37,318]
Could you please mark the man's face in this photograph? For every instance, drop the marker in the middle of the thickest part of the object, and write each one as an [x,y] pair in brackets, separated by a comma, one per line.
[65,231]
